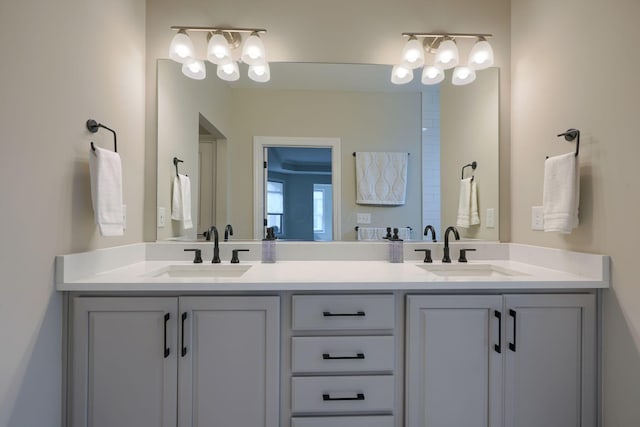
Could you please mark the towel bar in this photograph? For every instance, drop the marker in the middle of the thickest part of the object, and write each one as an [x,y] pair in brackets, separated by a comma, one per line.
[473,165]
[354,154]
[93,127]
[175,163]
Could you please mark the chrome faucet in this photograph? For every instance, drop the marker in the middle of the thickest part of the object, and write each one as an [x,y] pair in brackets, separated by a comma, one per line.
[433,232]
[216,244]
[446,257]
[228,231]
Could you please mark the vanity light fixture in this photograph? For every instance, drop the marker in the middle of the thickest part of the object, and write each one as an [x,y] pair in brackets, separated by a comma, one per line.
[444,50]
[222,45]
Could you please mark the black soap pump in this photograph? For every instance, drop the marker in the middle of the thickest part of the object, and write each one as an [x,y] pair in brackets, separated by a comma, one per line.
[396,248]
[269,246]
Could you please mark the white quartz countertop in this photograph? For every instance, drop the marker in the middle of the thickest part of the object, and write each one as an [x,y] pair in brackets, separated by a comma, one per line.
[142,267]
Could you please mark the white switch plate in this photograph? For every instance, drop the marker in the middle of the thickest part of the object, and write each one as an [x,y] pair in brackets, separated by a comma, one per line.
[363,218]
[124,216]
[491,218]
[161,217]
[537,218]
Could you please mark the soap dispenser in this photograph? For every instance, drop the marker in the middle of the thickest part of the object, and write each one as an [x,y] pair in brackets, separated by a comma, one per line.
[269,246]
[396,248]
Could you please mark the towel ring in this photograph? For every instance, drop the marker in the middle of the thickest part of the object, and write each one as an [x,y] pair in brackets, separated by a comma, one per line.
[570,135]
[175,163]
[473,165]
[94,126]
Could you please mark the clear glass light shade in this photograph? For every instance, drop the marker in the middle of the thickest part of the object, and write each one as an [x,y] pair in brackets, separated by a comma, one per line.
[447,55]
[463,75]
[401,74]
[253,50]
[218,49]
[481,55]
[195,69]
[228,71]
[181,49]
[432,75]
[413,54]
[260,73]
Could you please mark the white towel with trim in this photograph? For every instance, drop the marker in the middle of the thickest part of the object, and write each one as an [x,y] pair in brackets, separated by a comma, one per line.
[381,178]
[561,193]
[105,170]
[468,204]
[181,203]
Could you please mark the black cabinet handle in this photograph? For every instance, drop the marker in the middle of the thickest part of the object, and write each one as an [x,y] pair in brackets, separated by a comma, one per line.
[327,356]
[327,397]
[356,314]
[498,347]
[184,348]
[512,345]
[167,350]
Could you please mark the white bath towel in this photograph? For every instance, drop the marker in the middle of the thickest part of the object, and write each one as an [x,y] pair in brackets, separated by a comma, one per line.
[381,178]
[561,193]
[468,204]
[105,169]
[379,233]
[181,206]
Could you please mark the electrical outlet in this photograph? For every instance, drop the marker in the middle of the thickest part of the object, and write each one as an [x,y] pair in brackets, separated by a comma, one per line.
[363,218]
[491,218]
[161,217]
[537,218]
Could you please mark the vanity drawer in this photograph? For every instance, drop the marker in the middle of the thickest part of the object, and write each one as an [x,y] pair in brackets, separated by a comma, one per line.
[335,312]
[342,354]
[349,394]
[368,421]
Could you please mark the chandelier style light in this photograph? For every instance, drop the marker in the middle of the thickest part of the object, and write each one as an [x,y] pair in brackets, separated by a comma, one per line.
[444,50]
[222,50]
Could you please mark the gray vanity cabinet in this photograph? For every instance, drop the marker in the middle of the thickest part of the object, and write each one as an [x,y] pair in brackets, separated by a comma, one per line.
[454,372]
[187,361]
[454,361]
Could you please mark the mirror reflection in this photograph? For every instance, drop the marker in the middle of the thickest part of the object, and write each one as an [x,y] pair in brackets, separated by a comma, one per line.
[212,126]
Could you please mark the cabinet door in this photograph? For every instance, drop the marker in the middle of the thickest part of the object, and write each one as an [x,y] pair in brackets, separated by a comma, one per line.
[454,361]
[124,368]
[230,362]
[550,361]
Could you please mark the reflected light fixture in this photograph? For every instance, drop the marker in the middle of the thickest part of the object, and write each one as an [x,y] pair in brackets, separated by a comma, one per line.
[222,48]
[444,49]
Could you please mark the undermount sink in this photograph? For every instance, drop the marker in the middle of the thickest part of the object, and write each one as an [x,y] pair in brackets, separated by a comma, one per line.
[469,270]
[202,271]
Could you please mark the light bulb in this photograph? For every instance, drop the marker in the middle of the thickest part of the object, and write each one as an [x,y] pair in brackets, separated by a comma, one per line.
[218,49]
[432,75]
[260,73]
[194,69]
[481,55]
[413,53]
[181,49]
[463,75]
[447,55]
[253,50]
[400,74]
[228,71]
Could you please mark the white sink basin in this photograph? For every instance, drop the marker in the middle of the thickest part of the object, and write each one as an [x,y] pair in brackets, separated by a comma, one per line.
[469,270]
[202,271]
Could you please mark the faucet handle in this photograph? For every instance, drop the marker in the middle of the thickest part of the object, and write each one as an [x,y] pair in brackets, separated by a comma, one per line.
[197,259]
[427,254]
[234,255]
[463,254]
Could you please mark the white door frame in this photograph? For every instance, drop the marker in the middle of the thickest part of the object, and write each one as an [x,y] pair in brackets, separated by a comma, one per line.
[260,142]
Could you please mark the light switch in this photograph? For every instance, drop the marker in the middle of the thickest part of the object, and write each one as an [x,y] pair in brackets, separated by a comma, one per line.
[124,216]
[363,218]
[491,218]
[537,218]
[161,217]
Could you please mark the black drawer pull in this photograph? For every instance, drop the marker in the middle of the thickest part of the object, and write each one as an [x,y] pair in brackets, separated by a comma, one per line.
[184,348]
[498,347]
[327,397]
[356,314]
[512,345]
[167,350]
[327,356]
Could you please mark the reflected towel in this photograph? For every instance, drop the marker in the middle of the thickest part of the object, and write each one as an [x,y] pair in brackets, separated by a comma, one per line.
[181,205]
[105,170]
[561,193]
[381,178]
[468,204]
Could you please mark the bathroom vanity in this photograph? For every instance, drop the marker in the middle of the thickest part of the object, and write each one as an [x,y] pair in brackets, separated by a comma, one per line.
[332,335]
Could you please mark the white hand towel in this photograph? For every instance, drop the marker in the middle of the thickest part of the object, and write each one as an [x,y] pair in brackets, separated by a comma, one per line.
[468,204]
[561,193]
[181,206]
[381,178]
[105,170]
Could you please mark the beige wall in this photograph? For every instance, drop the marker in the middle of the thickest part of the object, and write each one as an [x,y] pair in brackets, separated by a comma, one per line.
[469,132]
[63,63]
[561,53]
[357,31]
